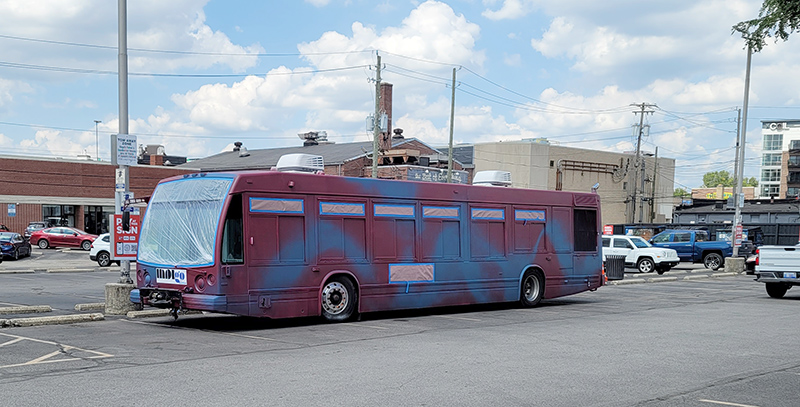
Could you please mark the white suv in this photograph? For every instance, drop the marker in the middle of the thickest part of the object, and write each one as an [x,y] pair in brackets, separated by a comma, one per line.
[639,253]
[101,251]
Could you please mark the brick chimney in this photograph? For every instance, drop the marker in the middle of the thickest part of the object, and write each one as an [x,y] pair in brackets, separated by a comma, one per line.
[156,159]
[385,141]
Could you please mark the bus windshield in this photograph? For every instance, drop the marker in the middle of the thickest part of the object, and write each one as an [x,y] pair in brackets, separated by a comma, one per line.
[181,222]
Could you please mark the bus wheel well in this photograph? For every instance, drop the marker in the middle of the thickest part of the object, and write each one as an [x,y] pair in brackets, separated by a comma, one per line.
[532,287]
[339,297]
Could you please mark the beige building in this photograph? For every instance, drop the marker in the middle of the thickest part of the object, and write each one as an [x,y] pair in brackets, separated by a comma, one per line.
[721,192]
[538,164]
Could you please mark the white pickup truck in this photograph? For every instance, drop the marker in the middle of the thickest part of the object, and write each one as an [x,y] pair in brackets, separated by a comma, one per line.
[639,253]
[778,267]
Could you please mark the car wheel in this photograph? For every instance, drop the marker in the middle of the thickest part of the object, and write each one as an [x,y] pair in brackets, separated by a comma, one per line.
[532,289]
[645,265]
[103,259]
[776,290]
[86,245]
[16,254]
[43,244]
[338,299]
[712,261]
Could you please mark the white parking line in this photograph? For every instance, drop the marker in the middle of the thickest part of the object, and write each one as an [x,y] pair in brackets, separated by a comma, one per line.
[47,358]
[461,318]
[725,403]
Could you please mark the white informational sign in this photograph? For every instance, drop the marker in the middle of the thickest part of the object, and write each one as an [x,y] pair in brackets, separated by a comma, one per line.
[12,209]
[126,150]
[120,180]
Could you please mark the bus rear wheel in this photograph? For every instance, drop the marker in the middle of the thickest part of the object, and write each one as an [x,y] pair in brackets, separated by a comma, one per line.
[338,299]
[532,289]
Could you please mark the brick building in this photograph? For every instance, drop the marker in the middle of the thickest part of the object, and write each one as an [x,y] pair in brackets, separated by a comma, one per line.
[73,192]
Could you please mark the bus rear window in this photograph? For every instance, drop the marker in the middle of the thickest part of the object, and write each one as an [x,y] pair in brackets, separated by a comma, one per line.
[585,230]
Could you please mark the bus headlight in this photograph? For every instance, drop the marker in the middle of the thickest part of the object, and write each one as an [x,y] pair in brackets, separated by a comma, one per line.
[200,283]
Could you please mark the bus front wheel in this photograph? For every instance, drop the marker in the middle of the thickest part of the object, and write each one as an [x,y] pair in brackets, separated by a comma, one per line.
[532,288]
[339,299]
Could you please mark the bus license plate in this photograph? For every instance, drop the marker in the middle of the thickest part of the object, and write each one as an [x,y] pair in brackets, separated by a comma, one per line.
[171,276]
[790,275]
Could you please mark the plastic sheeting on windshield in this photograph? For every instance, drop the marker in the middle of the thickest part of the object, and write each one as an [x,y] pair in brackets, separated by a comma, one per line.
[181,222]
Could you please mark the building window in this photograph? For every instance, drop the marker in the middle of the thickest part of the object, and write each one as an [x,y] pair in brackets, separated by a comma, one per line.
[771,159]
[770,190]
[792,192]
[794,178]
[794,145]
[773,142]
[794,161]
[770,175]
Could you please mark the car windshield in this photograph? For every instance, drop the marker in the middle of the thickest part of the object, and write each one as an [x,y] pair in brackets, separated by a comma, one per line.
[6,237]
[180,225]
[639,242]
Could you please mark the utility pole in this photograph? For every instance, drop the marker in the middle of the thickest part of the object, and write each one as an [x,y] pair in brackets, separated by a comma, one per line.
[452,116]
[653,191]
[643,109]
[376,129]
[738,198]
[97,140]
[122,60]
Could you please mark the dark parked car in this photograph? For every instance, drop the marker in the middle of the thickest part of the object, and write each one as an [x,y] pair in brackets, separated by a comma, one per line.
[13,245]
[62,237]
[34,226]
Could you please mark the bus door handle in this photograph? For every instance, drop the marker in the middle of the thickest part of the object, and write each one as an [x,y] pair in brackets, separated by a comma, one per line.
[548,258]
[251,240]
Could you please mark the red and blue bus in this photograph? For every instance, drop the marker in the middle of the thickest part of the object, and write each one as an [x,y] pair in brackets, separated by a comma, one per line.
[281,244]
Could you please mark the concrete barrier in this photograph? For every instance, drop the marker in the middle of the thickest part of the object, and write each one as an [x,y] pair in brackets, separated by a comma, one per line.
[56,320]
[118,298]
[25,309]
[734,265]
[94,306]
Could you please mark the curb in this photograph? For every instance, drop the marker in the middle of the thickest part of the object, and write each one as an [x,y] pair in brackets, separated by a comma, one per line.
[627,282]
[729,274]
[57,320]
[95,306]
[151,313]
[26,271]
[661,279]
[703,276]
[25,309]
[67,270]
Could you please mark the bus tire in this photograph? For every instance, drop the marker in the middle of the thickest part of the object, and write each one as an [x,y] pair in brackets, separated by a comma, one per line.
[339,299]
[532,288]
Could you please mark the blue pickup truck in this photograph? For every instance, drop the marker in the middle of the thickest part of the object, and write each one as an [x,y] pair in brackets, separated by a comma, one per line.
[694,246]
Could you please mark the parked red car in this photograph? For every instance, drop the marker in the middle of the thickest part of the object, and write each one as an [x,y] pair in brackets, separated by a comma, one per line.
[62,237]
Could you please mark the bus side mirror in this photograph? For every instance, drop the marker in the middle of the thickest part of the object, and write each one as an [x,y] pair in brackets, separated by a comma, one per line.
[126,221]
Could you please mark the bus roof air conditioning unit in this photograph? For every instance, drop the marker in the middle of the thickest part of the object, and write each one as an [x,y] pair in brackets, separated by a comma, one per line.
[300,163]
[492,178]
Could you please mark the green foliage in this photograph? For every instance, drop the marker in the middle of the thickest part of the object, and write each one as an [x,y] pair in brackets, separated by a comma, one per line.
[714,178]
[750,182]
[777,18]
[680,193]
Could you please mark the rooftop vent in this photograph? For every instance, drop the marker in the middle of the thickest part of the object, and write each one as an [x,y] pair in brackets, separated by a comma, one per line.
[300,163]
[313,138]
[492,178]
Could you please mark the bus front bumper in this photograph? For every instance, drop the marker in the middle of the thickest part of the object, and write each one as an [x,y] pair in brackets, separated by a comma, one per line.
[160,298]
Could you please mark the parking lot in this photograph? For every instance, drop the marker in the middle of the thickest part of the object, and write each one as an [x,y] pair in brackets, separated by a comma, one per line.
[688,342]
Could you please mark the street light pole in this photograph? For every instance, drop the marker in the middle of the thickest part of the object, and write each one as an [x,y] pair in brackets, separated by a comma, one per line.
[97,140]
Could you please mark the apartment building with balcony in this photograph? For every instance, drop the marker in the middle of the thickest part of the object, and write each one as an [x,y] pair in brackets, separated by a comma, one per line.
[780,159]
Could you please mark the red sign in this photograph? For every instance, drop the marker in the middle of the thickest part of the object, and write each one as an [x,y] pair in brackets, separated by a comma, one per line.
[124,244]
[737,236]
[608,229]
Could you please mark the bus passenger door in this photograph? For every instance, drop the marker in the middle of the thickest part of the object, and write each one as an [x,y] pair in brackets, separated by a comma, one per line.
[560,234]
[233,272]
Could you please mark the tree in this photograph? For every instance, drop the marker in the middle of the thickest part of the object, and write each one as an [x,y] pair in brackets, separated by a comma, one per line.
[714,178]
[750,182]
[680,193]
[777,18]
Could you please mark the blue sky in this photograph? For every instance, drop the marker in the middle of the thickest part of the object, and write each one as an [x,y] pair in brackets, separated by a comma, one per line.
[206,73]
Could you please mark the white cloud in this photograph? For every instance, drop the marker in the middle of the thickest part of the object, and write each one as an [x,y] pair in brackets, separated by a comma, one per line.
[318,3]
[511,9]
[55,143]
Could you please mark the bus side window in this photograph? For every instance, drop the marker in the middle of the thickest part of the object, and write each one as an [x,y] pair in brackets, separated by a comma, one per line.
[232,234]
